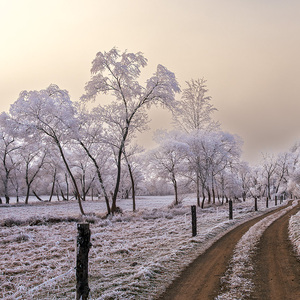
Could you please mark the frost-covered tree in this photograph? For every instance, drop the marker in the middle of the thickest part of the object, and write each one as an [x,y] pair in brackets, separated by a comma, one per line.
[256,184]
[51,114]
[193,115]
[91,138]
[85,171]
[269,165]
[33,161]
[221,150]
[196,163]
[210,153]
[9,144]
[281,172]
[293,175]
[132,163]
[117,74]
[194,110]
[243,172]
[168,158]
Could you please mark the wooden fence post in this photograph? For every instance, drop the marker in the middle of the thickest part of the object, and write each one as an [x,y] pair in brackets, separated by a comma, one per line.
[82,258]
[194,220]
[230,210]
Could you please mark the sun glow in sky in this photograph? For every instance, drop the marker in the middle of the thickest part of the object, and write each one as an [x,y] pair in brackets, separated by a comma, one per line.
[248,51]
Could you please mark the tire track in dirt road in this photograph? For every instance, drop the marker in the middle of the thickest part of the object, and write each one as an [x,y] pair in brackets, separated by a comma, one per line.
[201,279]
[277,269]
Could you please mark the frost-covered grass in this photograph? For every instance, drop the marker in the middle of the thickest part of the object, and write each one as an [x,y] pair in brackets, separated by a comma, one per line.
[294,232]
[237,282]
[134,255]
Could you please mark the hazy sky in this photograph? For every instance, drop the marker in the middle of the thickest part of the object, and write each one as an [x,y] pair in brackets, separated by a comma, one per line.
[247,50]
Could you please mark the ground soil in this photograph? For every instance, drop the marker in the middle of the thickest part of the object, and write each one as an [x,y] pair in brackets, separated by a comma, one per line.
[201,279]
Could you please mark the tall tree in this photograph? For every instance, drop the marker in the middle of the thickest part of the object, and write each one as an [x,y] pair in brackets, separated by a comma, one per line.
[193,115]
[117,73]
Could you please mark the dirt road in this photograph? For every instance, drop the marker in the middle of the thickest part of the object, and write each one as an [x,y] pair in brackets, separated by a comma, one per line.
[201,279]
[277,273]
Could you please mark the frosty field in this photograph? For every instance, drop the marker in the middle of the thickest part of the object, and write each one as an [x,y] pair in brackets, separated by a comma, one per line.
[133,255]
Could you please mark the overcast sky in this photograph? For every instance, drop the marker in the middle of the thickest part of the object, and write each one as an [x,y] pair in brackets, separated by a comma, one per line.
[247,50]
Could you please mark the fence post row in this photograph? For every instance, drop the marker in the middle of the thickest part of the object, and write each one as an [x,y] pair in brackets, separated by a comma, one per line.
[83,247]
[194,220]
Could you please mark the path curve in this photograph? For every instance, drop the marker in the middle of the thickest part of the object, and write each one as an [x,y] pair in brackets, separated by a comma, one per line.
[201,279]
[277,269]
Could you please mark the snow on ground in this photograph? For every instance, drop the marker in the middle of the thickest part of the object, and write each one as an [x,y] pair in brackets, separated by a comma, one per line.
[237,280]
[294,232]
[134,255]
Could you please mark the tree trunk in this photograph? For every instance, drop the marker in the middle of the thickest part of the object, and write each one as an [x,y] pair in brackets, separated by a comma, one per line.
[119,166]
[244,196]
[37,196]
[226,198]
[7,198]
[213,189]
[214,195]
[115,193]
[203,199]
[67,184]
[63,195]
[175,190]
[203,195]
[27,194]
[208,195]
[57,194]
[77,193]
[53,186]
[99,177]
[198,189]
[132,186]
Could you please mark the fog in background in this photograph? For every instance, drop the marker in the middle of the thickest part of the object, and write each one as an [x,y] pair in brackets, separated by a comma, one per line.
[248,51]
